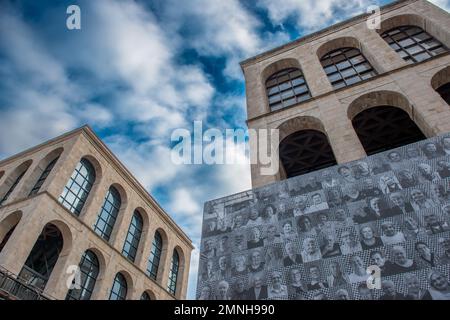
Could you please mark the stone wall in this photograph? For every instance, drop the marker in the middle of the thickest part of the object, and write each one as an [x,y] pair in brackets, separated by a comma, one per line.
[391,209]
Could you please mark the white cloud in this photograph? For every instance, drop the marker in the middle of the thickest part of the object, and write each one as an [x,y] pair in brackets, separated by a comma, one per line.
[311,14]
[444,4]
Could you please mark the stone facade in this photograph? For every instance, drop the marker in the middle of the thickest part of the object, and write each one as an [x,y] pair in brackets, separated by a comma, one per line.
[410,87]
[31,213]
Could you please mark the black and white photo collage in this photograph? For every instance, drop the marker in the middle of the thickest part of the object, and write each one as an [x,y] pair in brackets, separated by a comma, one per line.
[313,236]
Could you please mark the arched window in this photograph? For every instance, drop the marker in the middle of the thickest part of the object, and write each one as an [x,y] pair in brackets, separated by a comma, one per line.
[12,187]
[155,256]
[286,88]
[346,66]
[42,258]
[6,237]
[173,273]
[145,296]
[131,244]
[305,151]
[413,43]
[43,176]
[385,127]
[108,214]
[89,269]
[78,187]
[119,288]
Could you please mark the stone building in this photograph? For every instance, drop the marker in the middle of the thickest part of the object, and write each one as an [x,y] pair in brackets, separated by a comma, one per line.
[70,202]
[364,147]
[408,71]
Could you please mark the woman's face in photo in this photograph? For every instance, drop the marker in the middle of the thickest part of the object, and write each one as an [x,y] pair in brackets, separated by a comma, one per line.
[367,233]
[269,211]
[431,147]
[307,224]
[412,152]
[287,228]
[437,189]
[375,204]
[417,195]
[446,143]
[253,214]
[310,246]
[425,168]
[407,175]
[439,282]
[357,262]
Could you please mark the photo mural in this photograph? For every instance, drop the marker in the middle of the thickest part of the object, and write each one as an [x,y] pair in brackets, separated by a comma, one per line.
[313,236]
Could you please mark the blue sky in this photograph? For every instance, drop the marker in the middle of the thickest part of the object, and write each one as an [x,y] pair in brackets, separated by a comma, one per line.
[136,71]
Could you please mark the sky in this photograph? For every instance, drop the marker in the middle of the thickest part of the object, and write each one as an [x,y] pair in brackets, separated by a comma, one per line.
[139,69]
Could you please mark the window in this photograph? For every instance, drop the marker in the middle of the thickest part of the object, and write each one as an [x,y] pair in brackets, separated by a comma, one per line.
[385,127]
[43,176]
[155,256]
[346,66]
[305,151]
[89,269]
[413,43]
[119,288]
[145,296]
[6,237]
[131,244]
[11,189]
[173,273]
[78,187]
[286,87]
[108,214]
[42,258]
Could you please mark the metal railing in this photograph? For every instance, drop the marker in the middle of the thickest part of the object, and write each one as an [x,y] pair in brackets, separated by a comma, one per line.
[13,287]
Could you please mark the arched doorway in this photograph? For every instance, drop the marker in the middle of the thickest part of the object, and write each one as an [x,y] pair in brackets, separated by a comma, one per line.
[42,258]
[305,151]
[385,127]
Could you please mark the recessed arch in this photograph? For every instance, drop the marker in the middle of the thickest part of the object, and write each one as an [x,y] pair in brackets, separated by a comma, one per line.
[54,241]
[133,241]
[80,184]
[334,44]
[11,182]
[148,295]
[2,173]
[89,267]
[7,227]
[401,20]
[441,83]
[303,146]
[122,286]
[109,212]
[383,121]
[176,272]
[42,171]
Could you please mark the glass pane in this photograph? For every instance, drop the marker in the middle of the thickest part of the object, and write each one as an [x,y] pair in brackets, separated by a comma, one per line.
[362,67]
[421,37]
[287,94]
[289,102]
[330,69]
[285,86]
[334,77]
[343,65]
[298,81]
[406,42]
[414,49]
[422,56]
[272,90]
[348,72]
[352,80]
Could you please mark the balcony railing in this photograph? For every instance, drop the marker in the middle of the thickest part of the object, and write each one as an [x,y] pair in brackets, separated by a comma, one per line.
[16,288]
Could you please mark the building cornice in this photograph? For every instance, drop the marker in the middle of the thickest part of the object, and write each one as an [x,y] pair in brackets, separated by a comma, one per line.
[321,33]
